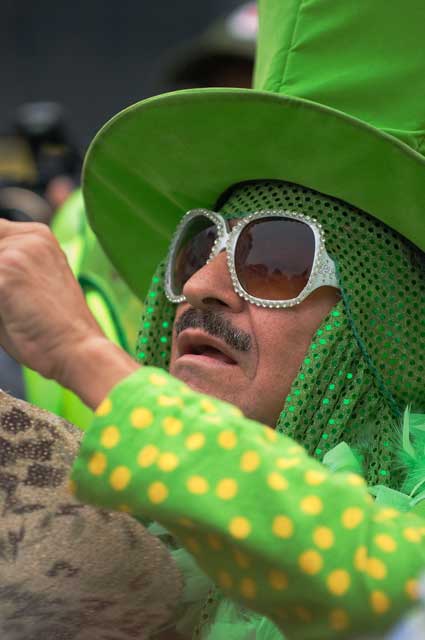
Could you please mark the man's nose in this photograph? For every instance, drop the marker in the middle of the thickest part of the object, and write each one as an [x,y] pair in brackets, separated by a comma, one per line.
[212,286]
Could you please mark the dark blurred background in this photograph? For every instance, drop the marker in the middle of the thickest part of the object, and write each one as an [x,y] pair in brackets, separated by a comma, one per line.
[92,56]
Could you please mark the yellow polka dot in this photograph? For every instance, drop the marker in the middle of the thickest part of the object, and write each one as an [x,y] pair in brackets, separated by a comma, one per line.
[412,535]
[208,406]
[360,559]
[104,408]
[283,527]
[168,461]
[270,434]
[250,461]
[386,513]
[314,477]
[241,559]
[141,418]
[234,411]
[157,380]
[214,541]
[224,580]
[240,527]
[192,544]
[376,569]
[183,388]
[338,582]
[287,463]
[227,489]
[119,478]
[157,492]
[195,441]
[185,522]
[197,485]
[294,449]
[147,455]
[355,480]
[338,620]
[97,464]
[385,542]
[278,580]
[276,481]
[110,437]
[248,588]
[323,537]
[72,487]
[303,613]
[170,401]
[227,439]
[352,517]
[172,426]
[311,505]
[379,602]
[310,562]
[412,589]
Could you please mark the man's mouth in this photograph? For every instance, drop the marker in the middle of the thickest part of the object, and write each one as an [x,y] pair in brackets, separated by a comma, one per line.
[196,344]
[210,352]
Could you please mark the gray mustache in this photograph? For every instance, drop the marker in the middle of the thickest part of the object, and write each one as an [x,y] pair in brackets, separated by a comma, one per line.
[213,323]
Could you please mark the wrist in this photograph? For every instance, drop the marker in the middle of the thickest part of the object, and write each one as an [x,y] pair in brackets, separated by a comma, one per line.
[94,367]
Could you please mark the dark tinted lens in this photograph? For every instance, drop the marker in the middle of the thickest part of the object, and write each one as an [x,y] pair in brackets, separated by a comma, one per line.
[192,251]
[274,258]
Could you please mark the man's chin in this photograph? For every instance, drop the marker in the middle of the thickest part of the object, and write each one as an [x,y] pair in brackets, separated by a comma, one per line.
[206,381]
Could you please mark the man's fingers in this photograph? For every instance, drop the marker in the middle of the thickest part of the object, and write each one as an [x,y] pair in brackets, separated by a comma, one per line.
[32,238]
[8,228]
[30,248]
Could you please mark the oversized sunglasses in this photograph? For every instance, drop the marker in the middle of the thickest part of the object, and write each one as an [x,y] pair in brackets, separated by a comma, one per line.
[275,258]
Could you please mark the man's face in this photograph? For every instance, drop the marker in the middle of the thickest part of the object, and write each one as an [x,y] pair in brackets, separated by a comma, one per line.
[246,355]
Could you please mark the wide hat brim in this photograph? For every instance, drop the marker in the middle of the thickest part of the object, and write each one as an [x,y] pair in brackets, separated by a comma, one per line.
[174,152]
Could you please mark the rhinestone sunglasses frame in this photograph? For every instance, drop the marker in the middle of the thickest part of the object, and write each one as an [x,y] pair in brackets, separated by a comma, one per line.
[323,272]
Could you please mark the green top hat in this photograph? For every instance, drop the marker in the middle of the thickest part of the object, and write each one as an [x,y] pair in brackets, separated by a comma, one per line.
[338,106]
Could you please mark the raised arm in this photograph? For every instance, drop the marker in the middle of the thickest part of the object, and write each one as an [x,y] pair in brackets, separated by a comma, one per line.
[271,526]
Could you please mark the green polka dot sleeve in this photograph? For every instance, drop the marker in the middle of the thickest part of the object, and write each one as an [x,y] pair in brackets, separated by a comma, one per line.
[270,525]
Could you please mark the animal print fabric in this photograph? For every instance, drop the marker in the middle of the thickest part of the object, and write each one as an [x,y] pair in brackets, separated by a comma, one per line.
[70,571]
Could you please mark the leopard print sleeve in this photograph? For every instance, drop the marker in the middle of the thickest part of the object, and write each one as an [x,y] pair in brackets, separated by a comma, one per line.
[69,570]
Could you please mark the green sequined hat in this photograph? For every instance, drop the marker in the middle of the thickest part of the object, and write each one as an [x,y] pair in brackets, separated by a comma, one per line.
[338,107]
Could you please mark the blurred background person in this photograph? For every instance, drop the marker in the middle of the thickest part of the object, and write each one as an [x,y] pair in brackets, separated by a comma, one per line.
[39,163]
[39,169]
[221,56]
[44,128]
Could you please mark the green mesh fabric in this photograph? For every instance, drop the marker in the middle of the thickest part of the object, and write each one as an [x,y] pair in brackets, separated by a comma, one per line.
[335,397]
[366,361]
[154,340]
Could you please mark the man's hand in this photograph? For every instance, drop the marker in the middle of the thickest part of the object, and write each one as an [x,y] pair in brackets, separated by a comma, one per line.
[44,321]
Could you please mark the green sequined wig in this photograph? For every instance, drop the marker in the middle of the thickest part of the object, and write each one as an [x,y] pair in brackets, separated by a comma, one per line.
[366,360]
